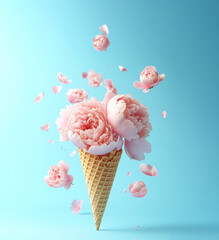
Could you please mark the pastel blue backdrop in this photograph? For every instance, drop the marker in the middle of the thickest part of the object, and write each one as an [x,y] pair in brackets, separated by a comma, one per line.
[38,39]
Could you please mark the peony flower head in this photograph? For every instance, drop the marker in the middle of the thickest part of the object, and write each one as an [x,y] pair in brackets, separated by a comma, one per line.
[138,189]
[149,78]
[85,124]
[76,95]
[101,42]
[128,117]
[58,176]
[94,79]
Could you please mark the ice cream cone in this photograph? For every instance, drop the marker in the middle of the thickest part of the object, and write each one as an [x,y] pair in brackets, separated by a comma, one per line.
[99,172]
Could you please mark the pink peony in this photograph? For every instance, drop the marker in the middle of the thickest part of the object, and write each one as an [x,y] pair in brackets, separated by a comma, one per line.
[94,79]
[149,78]
[85,124]
[76,95]
[76,206]
[147,169]
[138,189]
[101,42]
[128,117]
[58,176]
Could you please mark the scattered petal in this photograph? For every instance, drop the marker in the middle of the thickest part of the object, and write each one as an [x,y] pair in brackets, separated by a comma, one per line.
[104,29]
[147,169]
[72,154]
[76,206]
[84,75]
[63,79]
[51,141]
[164,114]
[128,173]
[39,97]
[125,190]
[122,69]
[56,89]
[136,149]
[45,127]
[138,189]
[108,66]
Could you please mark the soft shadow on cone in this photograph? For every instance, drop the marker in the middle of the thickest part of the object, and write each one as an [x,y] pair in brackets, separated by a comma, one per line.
[99,173]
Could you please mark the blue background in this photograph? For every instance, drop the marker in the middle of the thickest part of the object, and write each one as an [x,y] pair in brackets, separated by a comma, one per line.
[38,39]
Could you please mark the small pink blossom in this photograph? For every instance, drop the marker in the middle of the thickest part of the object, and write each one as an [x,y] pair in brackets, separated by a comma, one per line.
[57,89]
[39,97]
[63,79]
[122,69]
[76,206]
[101,42]
[84,75]
[138,189]
[94,79]
[51,141]
[72,154]
[129,174]
[147,169]
[45,127]
[148,78]
[76,95]
[104,29]
[58,176]
[164,114]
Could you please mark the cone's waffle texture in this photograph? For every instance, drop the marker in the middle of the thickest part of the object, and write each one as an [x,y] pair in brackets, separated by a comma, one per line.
[99,172]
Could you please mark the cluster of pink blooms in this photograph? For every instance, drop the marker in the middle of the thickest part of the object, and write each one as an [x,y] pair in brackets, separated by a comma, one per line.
[99,127]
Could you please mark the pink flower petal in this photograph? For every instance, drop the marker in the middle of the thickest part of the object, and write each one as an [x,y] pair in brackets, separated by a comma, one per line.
[45,127]
[136,149]
[51,141]
[72,154]
[64,165]
[84,75]
[122,69]
[138,85]
[138,189]
[147,169]
[161,77]
[146,90]
[129,174]
[125,190]
[56,89]
[63,79]
[163,114]
[104,29]
[76,206]
[39,97]
[69,182]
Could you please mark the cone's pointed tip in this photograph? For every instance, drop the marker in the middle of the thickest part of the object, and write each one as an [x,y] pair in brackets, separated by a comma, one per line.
[97,227]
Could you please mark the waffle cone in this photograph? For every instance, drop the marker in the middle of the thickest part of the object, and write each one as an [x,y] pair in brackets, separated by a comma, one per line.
[99,173]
